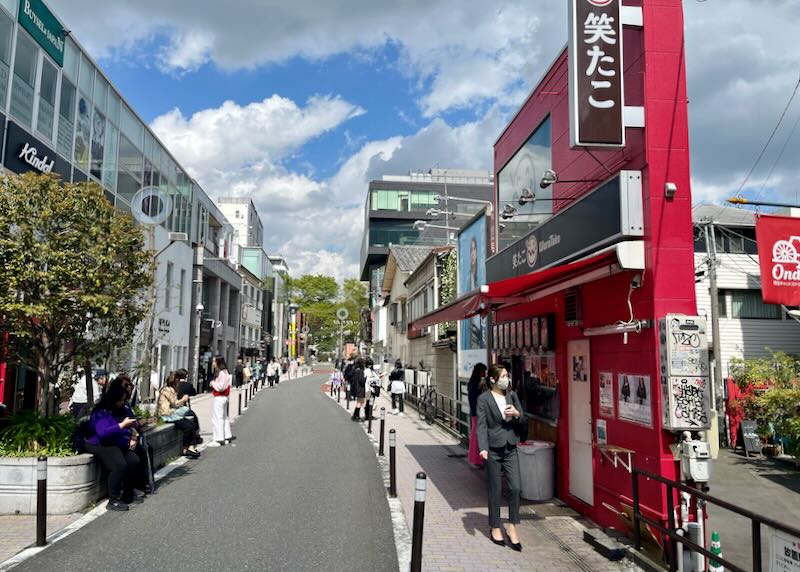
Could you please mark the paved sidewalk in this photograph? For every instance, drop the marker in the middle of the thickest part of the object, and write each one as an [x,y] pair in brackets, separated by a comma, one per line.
[456,536]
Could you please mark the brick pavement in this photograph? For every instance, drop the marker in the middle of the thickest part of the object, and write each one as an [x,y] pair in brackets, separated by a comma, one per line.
[456,523]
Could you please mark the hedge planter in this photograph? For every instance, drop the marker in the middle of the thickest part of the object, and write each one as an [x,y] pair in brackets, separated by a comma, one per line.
[73,483]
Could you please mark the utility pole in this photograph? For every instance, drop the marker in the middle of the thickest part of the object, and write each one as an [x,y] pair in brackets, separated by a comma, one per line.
[711,249]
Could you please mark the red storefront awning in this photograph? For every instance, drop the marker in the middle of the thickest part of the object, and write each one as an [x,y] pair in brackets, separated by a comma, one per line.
[511,290]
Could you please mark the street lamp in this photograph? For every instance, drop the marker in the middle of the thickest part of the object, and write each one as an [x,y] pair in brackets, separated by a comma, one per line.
[550,177]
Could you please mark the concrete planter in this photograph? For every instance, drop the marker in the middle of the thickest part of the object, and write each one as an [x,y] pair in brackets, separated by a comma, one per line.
[73,483]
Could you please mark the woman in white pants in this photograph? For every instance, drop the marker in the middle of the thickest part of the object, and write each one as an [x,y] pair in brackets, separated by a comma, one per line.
[220,389]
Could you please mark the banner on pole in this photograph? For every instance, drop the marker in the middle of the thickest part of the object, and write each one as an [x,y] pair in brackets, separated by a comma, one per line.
[778,239]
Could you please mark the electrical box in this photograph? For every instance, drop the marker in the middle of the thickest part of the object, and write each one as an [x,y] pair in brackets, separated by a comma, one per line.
[685,383]
[696,461]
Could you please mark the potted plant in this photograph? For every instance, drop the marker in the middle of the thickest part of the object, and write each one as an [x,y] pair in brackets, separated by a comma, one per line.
[73,479]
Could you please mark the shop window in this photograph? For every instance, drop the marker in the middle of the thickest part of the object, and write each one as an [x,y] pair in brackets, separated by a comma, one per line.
[6,37]
[113,106]
[98,144]
[168,289]
[110,156]
[524,171]
[747,304]
[131,164]
[131,127]
[83,134]
[72,60]
[86,81]
[100,92]
[25,68]
[66,118]
[11,6]
[736,244]
[45,120]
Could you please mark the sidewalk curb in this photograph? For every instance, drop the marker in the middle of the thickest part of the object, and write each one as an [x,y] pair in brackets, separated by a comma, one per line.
[100,510]
[402,535]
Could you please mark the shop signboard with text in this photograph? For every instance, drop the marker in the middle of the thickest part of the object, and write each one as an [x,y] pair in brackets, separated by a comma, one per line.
[45,28]
[596,93]
[778,239]
[24,153]
[609,214]
[472,334]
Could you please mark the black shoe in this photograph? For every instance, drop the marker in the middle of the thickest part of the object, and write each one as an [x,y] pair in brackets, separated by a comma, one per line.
[516,546]
[497,542]
[136,500]
[192,454]
[148,490]
[117,504]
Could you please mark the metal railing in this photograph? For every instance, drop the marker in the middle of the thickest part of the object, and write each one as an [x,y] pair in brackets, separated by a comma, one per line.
[671,532]
[447,411]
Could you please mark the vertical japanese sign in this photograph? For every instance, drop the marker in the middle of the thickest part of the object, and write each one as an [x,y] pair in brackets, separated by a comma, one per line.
[778,239]
[595,68]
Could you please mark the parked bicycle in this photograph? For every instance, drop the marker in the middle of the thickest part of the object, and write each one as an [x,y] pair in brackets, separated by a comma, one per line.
[427,405]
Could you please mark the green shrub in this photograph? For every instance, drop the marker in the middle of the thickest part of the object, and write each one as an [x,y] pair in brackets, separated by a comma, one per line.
[29,434]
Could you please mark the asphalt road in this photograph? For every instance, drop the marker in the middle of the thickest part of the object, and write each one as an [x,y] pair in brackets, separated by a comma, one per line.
[301,491]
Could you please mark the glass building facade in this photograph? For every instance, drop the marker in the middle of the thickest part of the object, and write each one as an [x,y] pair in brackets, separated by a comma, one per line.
[54,99]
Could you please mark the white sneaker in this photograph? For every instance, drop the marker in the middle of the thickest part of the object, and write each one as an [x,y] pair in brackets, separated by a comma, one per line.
[229,442]
[402,414]
[395,411]
[214,444]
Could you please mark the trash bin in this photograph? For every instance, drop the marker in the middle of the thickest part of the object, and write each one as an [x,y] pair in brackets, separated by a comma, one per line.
[536,468]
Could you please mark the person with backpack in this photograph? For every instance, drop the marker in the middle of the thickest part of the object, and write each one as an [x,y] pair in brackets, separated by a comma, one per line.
[397,387]
[238,373]
[372,386]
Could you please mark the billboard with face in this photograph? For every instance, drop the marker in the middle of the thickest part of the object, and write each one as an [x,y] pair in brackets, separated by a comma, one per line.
[472,247]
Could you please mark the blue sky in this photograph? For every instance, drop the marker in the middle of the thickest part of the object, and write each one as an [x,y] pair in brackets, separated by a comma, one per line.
[299,104]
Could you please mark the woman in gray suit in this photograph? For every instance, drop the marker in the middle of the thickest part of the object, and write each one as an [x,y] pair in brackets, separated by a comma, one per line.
[500,424]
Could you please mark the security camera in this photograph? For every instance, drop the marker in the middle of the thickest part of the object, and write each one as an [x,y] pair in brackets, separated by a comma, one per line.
[199,307]
[636,281]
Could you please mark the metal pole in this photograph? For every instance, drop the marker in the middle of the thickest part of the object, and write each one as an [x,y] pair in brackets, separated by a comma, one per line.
[339,394]
[711,247]
[41,501]
[240,403]
[419,521]
[756,527]
[383,426]
[673,553]
[370,402]
[348,398]
[637,534]
[392,463]
[245,396]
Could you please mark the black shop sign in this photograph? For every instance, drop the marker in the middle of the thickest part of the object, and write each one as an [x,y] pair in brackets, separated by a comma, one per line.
[609,214]
[24,153]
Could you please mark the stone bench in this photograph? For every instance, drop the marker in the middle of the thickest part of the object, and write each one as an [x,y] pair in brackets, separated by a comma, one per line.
[73,483]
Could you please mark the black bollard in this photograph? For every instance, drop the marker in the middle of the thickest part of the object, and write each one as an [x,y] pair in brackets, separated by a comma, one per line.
[348,400]
[240,403]
[245,397]
[369,414]
[383,426]
[419,521]
[339,394]
[392,463]
[41,501]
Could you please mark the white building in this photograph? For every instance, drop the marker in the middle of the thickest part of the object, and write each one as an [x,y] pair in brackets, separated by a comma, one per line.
[748,327]
[248,230]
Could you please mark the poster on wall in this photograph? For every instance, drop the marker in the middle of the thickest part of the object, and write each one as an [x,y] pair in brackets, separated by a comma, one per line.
[472,248]
[784,552]
[634,399]
[535,333]
[495,340]
[527,333]
[513,343]
[544,332]
[606,384]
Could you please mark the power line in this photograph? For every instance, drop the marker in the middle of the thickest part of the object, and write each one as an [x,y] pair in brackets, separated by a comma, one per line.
[775,130]
[778,159]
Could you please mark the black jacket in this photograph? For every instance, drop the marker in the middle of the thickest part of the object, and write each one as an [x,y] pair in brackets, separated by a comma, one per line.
[473,391]
[492,430]
[358,382]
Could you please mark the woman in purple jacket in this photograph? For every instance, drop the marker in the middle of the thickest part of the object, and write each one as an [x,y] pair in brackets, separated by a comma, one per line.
[113,442]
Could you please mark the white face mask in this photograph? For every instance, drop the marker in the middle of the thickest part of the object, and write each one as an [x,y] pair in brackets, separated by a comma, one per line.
[503,383]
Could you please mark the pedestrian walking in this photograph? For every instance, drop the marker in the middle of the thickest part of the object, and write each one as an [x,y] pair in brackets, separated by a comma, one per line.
[79,405]
[293,369]
[273,371]
[358,386]
[476,386]
[238,373]
[336,379]
[501,424]
[397,387]
[221,390]
[372,386]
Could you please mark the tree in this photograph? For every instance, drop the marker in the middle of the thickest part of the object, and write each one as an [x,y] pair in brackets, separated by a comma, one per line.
[74,274]
[315,296]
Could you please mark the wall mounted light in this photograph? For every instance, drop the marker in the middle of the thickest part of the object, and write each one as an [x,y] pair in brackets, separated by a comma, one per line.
[550,177]
[508,212]
[670,189]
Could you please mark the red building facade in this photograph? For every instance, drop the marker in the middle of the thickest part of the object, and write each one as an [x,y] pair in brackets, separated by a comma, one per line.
[657,259]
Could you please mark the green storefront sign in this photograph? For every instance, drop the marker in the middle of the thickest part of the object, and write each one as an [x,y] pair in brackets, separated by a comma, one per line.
[39,21]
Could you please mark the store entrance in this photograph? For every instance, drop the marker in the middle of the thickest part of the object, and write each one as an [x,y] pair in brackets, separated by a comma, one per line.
[581,478]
